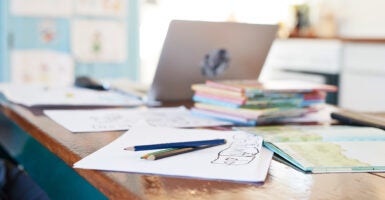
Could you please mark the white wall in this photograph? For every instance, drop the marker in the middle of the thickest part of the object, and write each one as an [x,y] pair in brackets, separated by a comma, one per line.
[363,18]
[357,18]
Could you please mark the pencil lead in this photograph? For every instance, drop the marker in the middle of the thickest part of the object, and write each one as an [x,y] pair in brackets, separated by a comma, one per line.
[129,148]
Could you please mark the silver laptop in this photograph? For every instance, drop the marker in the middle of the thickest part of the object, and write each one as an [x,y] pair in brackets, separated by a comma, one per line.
[195,51]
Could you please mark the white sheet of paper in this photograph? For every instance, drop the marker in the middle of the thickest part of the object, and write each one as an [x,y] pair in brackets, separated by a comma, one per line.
[47,67]
[99,41]
[52,8]
[122,119]
[39,95]
[242,158]
[113,8]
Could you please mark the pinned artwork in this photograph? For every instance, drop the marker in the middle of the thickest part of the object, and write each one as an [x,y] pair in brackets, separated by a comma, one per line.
[99,41]
[47,31]
[62,8]
[42,67]
[40,33]
[115,8]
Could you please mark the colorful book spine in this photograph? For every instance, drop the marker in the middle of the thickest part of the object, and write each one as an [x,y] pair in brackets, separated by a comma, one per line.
[240,112]
[308,103]
[247,87]
[224,86]
[317,95]
[235,100]
[256,114]
[273,102]
[215,102]
[249,102]
[281,103]
[215,91]
[235,120]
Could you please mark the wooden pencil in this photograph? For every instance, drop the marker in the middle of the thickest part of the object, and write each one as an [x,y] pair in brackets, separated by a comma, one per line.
[165,154]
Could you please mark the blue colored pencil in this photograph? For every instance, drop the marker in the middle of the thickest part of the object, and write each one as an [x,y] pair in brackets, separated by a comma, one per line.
[176,145]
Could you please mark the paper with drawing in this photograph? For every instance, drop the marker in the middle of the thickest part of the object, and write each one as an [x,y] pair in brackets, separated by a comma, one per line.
[122,119]
[242,158]
[40,95]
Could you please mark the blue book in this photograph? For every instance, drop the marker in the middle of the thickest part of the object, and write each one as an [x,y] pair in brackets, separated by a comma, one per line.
[215,102]
[218,116]
[307,103]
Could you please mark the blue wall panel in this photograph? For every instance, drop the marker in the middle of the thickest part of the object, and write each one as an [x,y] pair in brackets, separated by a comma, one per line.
[106,70]
[133,39]
[26,33]
[4,69]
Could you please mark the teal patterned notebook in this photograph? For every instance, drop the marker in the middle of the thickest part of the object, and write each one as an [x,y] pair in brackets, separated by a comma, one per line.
[325,149]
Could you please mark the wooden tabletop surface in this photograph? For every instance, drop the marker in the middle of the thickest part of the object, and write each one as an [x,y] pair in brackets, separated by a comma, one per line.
[282,181]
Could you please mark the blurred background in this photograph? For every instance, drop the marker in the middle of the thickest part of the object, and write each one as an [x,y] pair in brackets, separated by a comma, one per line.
[339,42]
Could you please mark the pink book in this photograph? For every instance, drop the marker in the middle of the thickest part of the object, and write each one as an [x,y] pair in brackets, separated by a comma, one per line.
[240,86]
[244,86]
[235,100]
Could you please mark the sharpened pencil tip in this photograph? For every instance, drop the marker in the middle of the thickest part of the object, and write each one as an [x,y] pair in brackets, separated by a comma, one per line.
[129,148]
[150,157]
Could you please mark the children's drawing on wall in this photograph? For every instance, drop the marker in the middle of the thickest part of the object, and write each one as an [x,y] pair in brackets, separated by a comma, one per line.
[113,5]
[52,8]
[101,7]
[46,67]
[47,31]
[242,151]
[96,43]
[99,41]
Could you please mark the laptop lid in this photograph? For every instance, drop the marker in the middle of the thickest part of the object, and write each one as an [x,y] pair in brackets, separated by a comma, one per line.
[195,51]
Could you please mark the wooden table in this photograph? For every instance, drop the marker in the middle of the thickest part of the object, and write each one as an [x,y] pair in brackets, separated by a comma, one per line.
[282,181]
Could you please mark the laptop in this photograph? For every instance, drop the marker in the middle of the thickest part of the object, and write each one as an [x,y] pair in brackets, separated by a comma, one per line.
[196,51]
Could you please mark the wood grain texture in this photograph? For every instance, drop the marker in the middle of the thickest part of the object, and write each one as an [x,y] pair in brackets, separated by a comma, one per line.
[282,181]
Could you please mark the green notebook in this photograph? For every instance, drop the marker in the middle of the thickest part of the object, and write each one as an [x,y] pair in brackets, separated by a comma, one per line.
[324,149]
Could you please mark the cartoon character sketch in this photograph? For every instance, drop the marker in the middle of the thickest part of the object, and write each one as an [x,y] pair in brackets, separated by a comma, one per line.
[215,62]
[243,150]
[96,43]
[47,31]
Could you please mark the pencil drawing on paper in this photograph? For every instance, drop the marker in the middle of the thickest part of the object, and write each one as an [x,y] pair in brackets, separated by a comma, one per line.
[110,120]
[168,121]
[243,150]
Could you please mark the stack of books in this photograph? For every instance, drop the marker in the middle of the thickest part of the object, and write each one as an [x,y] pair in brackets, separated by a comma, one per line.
[249,102]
